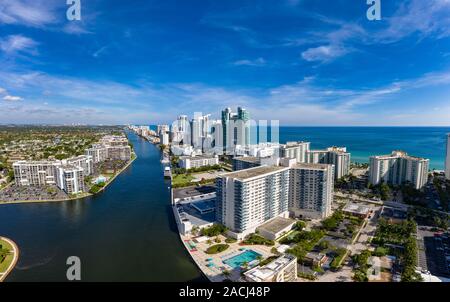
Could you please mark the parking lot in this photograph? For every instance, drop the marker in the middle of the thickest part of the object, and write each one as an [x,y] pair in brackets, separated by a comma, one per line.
[434,252]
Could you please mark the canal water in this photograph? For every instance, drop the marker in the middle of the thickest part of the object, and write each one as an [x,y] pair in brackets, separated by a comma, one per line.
[126,233]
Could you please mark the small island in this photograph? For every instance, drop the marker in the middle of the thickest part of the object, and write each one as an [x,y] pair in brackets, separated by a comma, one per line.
[9,254]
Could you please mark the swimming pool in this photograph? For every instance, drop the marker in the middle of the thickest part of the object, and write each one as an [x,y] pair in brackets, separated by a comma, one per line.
[247,256]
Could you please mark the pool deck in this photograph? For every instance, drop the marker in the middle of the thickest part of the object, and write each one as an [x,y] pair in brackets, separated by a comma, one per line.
[214,274]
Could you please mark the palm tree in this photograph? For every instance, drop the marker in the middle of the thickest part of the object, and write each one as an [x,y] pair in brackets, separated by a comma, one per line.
[226,273]
[245,265]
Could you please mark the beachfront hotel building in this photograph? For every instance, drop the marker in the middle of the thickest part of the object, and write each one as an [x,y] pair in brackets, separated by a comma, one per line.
[188,162]
[311,190]
[337,156]
[447,159]
[297,150]
[248,198]
[398,168]
[282,269]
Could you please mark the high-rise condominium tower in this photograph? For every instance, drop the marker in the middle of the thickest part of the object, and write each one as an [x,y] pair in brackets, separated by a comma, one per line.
[235,128]
[399,168]
[248,198]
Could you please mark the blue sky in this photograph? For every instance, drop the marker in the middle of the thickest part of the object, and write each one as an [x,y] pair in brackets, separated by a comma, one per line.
[303,62]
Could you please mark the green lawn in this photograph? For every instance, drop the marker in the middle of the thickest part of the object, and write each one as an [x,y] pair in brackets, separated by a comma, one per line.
[182,179]
[5,264]
[218,248]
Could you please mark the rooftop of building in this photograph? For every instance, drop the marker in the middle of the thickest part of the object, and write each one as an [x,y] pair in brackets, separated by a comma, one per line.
[311,166]
[197,157]
[254,172]
[294,144]
[330,149]
[315,256]
[70,168]
[398,154]
[357,208]
[276,225]
[266,272]
[36,162]
[79,157]
[249,159]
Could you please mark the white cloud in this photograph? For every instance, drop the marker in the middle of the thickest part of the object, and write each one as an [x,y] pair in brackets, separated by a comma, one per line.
[324,53]
[2,90]
[35,13]
[417,16]
[307,102]
[14,44]
[99,51]
[75,28]
[256,63]
[11,98]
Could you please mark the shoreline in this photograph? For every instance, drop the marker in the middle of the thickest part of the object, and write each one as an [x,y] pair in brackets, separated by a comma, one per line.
[72,198]
[208,277]
[16,251]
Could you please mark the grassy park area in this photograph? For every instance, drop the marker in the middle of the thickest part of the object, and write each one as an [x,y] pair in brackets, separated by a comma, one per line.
[218,248]
[6,255]
[181,179]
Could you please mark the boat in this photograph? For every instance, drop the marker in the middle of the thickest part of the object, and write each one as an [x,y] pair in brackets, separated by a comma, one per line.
[167,172]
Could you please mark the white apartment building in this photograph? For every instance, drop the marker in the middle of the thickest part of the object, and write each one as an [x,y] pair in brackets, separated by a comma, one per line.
[98,152]
[258,150]
[86,162]
[282,269]
[67,177]
[297,150]
[164,138]
[182,130]
[188,162]
[337,156]
[447,159]
[117,140]
[311,190]
[118,153]
[35,173]
[162,129]
[182,150]
[70,179]
[246,162]
[248,198]
[398,168]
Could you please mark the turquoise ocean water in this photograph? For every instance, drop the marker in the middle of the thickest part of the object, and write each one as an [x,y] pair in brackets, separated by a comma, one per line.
[362,142]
